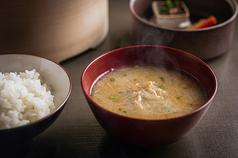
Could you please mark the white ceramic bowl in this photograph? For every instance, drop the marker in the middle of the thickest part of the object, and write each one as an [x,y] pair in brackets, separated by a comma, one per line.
[53,75]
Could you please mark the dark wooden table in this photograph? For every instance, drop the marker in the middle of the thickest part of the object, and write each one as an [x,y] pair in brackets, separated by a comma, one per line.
[76,133]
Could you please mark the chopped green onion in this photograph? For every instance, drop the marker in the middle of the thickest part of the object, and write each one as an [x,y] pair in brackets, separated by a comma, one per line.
[125,74]
[172,106]
[124,111]
[120,92]
[178,97]
[128,91]
[99,78]
[161,87]
[111,96]
[162,78]
[136,66]
[92,92]
[112,79]
[129,97]
[120,109]
[155,84]
[115,99]
[169,110]
[134,79]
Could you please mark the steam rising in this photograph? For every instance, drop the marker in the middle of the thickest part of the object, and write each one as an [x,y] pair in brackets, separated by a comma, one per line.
[144,34]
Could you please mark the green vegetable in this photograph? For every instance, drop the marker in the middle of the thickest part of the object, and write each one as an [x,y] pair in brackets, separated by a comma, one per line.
[112,79]
[162,78]
[124,111]
[125,74]
[178,97]
[169,4]
[161,87]
[92,92]
[111,96]
[115,99]
[128,91]
[136,66]
[129,97]
[164,8]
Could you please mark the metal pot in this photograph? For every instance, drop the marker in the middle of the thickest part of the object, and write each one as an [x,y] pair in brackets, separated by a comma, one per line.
[206,43]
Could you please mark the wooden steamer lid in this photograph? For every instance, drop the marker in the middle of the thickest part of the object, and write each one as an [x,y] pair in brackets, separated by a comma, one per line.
[55,29]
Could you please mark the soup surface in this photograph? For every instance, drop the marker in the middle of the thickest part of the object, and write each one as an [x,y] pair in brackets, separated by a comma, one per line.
[147,92]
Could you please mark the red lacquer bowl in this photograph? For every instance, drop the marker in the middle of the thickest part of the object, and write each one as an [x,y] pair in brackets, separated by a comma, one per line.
[149,132]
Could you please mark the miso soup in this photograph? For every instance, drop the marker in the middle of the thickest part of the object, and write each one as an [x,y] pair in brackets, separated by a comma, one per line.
[147,92]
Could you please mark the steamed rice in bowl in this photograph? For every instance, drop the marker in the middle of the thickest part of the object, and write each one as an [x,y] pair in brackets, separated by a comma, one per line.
[24,98]
[32,80]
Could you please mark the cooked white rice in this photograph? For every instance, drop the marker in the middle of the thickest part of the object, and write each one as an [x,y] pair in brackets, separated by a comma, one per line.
[23,98]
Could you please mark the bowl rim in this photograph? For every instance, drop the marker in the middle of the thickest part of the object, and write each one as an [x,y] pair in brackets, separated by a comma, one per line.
[207,103]
[60,105]
[232,3]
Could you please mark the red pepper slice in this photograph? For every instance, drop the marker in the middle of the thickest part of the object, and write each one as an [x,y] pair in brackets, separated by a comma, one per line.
[203,23]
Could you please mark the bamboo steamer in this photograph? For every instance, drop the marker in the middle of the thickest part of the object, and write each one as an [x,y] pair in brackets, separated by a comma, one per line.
[55,29]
